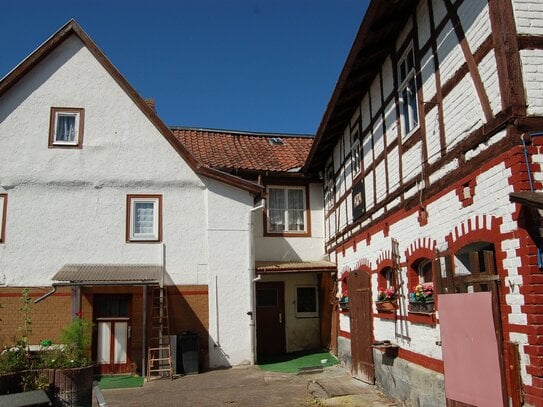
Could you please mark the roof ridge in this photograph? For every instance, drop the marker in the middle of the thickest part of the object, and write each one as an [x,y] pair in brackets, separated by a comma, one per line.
[241,132]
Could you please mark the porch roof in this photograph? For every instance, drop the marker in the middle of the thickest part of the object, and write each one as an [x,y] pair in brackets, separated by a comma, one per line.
[533,199]
[271,267]
[109,273]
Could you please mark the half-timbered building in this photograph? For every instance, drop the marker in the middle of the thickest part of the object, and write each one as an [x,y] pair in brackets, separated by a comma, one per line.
[430,153]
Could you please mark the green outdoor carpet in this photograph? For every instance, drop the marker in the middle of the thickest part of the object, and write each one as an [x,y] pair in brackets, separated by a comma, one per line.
[119,382]
[293,362]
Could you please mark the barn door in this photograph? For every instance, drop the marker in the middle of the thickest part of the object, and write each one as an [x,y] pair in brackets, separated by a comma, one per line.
[361,326]
[469,315]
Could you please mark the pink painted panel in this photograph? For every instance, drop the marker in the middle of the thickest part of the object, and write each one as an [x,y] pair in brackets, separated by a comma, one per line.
[470,349]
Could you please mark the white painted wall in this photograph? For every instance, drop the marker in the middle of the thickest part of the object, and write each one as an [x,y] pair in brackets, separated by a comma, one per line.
[69,205]
[528,16]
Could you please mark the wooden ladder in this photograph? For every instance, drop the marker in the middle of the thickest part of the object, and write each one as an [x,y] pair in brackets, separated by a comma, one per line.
[159,354]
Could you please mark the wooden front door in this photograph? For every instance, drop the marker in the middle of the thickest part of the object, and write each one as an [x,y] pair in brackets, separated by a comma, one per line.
[112,333]
[270,319]
[361,326]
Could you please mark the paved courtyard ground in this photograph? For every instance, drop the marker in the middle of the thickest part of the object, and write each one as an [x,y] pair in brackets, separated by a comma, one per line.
[252,387]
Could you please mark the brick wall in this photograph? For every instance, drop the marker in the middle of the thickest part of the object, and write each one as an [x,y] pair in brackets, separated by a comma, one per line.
[188,310]
[48,317]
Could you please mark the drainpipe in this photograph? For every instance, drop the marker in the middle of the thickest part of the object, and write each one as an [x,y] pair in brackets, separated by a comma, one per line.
[252,279]
[530,178]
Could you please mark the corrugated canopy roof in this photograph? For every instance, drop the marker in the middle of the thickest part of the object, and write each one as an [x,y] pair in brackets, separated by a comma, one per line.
[109,273]
[269,267]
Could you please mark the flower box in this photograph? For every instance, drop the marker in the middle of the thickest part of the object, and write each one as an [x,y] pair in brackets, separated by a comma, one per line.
[386,306]
[421,307]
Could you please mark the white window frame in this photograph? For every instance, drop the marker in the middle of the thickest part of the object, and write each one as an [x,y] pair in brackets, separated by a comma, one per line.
[410,120]
[329,194]
[57,112]
[314,314]
[156,235]
[285,216]
[3,210]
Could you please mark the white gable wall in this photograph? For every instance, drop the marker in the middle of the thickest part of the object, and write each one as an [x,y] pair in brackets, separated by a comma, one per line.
[69,205]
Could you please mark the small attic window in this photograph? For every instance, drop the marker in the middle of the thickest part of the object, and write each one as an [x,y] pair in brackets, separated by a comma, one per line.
[276,141]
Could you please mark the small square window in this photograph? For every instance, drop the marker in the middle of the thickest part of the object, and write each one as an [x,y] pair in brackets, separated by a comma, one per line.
[307,305]
[3,210]
[144,218]
[66,127]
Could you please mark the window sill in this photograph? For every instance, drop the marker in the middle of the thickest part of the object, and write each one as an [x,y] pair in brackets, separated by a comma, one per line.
[422,318]
[287,234]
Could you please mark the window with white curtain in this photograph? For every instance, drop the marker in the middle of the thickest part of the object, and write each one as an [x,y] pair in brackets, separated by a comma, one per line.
[409,110]
[66,128]
[144,218]
[286,210]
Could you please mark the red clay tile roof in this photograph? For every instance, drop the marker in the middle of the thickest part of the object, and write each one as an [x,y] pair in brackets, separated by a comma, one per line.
[245,151]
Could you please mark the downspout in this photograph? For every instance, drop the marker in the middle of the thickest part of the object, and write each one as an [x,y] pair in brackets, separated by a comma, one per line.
[530,178]
[252,279]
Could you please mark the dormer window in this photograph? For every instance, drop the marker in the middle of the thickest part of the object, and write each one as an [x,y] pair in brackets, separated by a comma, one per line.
[66,127]
[276,141]
[287,210]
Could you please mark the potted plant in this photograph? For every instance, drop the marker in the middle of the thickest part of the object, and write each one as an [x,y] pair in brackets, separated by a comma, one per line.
[67,365]
[422,299]
[386,300]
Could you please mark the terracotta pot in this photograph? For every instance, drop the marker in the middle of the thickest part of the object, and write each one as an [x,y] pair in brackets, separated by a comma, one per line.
[386,306]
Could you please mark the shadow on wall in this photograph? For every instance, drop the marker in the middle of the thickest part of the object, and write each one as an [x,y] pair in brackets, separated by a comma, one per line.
[189,312]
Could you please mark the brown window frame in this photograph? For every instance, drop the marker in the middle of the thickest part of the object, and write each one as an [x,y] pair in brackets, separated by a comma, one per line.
[307,213]
[52,126]
[130,238]
[3,212]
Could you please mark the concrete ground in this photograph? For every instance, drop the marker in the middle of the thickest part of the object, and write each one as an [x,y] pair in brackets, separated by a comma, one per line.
[251,386]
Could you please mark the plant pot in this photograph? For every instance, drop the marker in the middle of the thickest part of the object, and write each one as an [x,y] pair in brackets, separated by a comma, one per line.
[73,386]
[386,306]
[421,307]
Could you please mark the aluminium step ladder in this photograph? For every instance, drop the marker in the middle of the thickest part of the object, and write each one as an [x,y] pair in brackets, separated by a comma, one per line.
[159,354]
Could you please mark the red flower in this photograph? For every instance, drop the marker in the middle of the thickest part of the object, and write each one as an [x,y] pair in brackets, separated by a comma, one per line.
[79,314]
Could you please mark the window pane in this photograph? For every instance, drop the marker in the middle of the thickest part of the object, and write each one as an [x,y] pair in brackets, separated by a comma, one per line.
[266,297]
[295,199]
[144,217]
[306,299]
[296,219]
[66,127]
[277,199]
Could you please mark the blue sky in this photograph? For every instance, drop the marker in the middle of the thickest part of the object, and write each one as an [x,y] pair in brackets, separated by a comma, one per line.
[255,65]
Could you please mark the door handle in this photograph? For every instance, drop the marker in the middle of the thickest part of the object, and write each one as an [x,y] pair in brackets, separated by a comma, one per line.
[280,317]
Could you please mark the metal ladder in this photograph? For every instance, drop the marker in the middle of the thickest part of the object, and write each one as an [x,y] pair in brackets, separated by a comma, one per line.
[159,353]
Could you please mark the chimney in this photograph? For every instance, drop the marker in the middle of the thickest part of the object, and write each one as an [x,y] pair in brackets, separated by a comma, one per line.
[151,103]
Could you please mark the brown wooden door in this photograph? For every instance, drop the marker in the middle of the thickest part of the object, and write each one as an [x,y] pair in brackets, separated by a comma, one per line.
[361,326]
[112,338]
[270,319]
